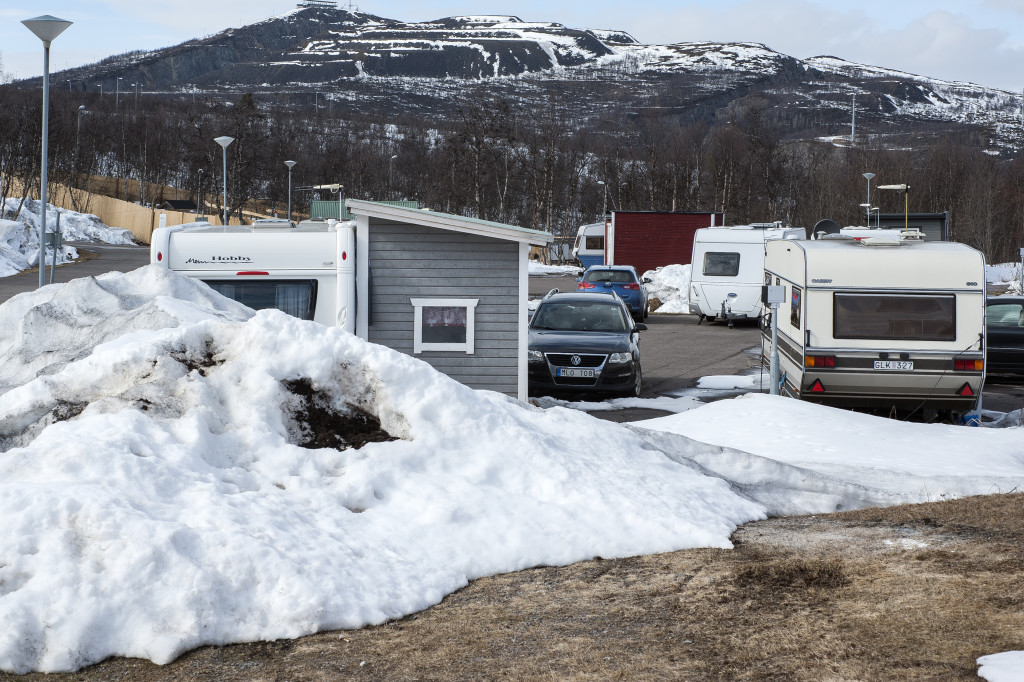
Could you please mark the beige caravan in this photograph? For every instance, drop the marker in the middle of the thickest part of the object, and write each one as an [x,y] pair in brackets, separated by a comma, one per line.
[892,323]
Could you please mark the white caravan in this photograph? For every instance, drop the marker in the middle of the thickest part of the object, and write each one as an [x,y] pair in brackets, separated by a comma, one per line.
[589,246]
[308,271]
[882,322]
[727,269]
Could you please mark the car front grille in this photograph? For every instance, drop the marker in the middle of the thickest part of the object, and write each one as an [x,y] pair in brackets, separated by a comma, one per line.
[565,359]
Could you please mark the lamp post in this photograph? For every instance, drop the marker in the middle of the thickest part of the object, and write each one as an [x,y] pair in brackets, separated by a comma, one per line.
[290,164]
[100,86]
[199,203]
[117,92]
[224,141]
[868,209]
[391,174]
[69,85]
[78,132]
[604,203]
[46,29]
[137,86]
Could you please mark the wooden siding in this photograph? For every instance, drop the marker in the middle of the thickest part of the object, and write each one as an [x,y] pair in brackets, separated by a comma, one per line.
[648,240]
[413,261]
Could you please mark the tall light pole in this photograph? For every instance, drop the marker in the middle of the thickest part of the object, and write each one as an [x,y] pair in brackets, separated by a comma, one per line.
[290,164]
[117,92]
[604,204]
[69,85]
[199,203]
[100,86]
[46,29]
[391,174]
[137,86]
[868,209]
[224,141]
[78,132]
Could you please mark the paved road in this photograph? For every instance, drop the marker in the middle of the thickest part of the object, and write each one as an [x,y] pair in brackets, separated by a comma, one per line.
[94,259]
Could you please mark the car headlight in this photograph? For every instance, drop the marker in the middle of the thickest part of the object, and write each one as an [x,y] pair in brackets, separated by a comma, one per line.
[535,356]
[620,358]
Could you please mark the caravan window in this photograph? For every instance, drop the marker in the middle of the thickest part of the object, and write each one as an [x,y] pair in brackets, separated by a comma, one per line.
[297,297]
[595,243]
[912,317]
[721,264]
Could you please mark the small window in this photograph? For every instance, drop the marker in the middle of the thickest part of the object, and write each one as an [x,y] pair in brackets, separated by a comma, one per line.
[595,244]
[794,307]
[297,297]
[911,317]
[721,264]
[444,324]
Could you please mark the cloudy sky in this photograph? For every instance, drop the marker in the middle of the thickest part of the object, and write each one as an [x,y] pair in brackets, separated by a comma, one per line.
[980,41]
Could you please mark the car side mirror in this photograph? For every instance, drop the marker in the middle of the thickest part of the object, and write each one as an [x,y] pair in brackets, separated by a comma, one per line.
[639,327]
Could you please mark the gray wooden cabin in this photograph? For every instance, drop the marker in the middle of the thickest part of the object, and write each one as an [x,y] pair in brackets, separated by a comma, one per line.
[447,289]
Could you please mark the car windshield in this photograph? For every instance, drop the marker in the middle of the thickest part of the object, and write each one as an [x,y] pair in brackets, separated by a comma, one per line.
[613,276]
[581,317]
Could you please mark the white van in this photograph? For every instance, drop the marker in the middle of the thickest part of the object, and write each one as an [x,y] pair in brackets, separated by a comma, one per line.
[728,269]
[307,270]
[883,322]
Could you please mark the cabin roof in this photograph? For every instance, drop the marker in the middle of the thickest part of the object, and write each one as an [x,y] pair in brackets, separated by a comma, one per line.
[447,221]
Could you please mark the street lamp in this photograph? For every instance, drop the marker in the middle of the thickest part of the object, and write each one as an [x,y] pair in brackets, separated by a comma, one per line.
[391,172]
[100,86]
[224,141]
[868,210]
[46,29]
[604,204]
[290,164]
[69,85]
[199,203]
[78,132]
[117,92]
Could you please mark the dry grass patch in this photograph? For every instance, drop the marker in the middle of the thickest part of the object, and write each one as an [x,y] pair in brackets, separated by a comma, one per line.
[915,592]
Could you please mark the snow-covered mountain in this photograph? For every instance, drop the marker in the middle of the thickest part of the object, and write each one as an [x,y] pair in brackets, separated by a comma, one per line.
[402,67]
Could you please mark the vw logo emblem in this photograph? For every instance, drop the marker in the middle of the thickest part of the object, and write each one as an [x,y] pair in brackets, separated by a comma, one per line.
[575,360]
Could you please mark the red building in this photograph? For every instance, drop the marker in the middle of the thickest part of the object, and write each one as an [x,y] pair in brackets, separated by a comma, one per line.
[651,239]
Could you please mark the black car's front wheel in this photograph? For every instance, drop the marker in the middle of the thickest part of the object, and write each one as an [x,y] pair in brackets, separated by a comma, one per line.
[638,381]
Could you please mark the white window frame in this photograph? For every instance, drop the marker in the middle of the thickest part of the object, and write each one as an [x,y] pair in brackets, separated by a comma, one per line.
[418,304]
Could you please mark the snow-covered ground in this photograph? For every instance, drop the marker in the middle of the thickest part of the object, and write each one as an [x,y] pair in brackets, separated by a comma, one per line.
[536,268]
[19,234]
[174,472]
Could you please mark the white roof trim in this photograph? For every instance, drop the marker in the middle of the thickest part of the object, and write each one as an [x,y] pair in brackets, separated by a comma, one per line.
[446,221]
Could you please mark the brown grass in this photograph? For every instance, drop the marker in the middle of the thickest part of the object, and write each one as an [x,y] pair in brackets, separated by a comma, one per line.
[913,592]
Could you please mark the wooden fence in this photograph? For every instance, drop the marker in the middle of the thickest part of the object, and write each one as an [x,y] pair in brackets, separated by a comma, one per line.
[140,220]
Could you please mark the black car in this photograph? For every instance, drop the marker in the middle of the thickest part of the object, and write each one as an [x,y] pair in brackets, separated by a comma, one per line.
[1005,331]
[584,343]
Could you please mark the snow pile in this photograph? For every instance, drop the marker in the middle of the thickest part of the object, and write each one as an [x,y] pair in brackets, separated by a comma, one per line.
[671,286]
[1007,666]
[1004,277]
[19,234]
[183,477]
